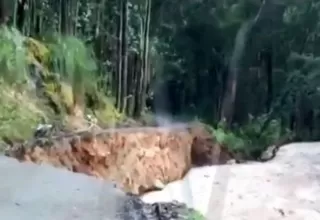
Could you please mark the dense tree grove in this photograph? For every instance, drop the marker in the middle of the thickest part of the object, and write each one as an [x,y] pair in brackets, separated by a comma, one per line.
[237,62]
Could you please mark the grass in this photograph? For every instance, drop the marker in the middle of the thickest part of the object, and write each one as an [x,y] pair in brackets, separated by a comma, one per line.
[67,69]
[19,113]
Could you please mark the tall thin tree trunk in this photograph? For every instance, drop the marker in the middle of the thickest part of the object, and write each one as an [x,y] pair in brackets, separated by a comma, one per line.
[227,110]
[21,14]
[266,68]
[64,16]
[269,72]
[68,9]
[141,96]
[132,81]
[33,17]
[243,34]
[75,12]
[124,56]
[119,58]
[3,13]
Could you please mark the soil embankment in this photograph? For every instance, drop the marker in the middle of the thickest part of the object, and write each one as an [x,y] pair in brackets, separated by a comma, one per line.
[138,160]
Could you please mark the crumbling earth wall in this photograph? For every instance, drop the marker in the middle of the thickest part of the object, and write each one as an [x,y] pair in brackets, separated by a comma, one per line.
[138,160]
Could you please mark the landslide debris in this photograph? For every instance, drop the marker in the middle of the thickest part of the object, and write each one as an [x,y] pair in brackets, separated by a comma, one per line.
[138,160]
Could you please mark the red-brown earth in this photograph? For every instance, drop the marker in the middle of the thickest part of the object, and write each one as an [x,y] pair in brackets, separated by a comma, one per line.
[136,159]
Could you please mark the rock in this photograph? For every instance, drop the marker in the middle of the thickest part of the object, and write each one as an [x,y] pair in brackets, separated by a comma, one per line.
[206,150]
[158,184]
[135,209]
[43,130]
[232,161]
[269,153]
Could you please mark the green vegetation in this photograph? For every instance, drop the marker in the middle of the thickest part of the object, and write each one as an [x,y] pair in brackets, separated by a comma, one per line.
[19,114]
[251,75]
[250,138]
[196,216]
[34,90]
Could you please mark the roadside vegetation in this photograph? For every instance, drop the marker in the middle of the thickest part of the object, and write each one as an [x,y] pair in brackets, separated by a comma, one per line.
[129,60]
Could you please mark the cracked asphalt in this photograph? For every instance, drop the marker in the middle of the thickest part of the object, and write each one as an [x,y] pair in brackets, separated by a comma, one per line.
[287,187]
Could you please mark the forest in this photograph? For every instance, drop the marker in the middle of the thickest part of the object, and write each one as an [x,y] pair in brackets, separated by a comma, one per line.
[247,68]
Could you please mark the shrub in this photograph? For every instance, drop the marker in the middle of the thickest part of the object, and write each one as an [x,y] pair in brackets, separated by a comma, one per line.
[13,56]
[34,72]
[251,138]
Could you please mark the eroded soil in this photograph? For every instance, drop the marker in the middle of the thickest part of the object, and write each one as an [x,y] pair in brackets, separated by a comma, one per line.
[136,159]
